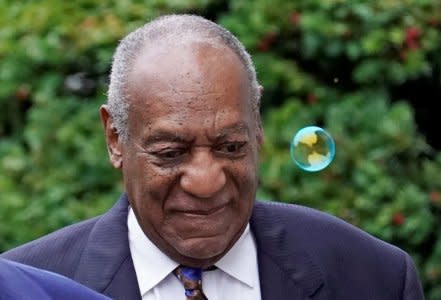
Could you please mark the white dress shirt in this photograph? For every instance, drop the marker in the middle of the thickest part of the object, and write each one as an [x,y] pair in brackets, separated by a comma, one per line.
[236,276]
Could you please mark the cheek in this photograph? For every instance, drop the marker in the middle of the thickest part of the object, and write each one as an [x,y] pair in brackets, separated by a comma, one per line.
[247,172]
[143,176]
[147,187]
[245,179]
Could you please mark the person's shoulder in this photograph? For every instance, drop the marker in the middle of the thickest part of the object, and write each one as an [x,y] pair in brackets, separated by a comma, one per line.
[321,230]
[45,252]
[19,281]
[61,250]
[345,255]
[62,237]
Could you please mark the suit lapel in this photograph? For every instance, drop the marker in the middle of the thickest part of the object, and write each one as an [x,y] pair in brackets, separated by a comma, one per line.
[286,271]
[106,264]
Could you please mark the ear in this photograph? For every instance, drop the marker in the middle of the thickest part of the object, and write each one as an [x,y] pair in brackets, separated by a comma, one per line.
[113,141]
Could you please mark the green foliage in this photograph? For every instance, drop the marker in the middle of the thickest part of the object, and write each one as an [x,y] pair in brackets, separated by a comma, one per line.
[334,63]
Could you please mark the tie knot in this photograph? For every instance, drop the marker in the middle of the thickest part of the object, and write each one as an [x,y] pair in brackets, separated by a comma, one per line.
[191,279]
[189,273]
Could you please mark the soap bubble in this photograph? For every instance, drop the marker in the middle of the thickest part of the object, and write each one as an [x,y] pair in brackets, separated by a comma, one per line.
[312,149]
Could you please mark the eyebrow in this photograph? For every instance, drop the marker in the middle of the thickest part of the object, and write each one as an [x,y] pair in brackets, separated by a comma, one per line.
[175,137]
[236,128]
[164,136]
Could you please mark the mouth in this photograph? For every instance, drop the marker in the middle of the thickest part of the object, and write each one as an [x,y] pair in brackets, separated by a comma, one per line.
[203,212]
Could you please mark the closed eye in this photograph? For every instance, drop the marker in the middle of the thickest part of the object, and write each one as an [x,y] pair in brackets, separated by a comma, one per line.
[170,153]
[231,148]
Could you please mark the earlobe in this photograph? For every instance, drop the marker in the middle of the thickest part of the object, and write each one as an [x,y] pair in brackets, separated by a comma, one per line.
[114,146]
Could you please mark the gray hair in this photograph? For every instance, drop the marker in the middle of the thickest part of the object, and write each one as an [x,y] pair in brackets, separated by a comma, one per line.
[168,28]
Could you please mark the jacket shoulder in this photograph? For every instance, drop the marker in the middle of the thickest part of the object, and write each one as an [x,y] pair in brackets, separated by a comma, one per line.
[318,228]
[44,252]
[346,255]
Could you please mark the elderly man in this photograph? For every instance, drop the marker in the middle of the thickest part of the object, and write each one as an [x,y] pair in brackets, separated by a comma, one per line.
[182,123]
[21,282]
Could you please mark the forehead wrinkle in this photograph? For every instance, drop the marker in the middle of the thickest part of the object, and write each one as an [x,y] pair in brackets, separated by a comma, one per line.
[188,93]
[200,93]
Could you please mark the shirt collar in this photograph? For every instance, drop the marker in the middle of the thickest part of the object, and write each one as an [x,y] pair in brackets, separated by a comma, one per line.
[145,253]
[240,261]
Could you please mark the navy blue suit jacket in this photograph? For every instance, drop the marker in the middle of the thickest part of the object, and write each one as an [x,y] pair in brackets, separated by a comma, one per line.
[21,282]
[302,254]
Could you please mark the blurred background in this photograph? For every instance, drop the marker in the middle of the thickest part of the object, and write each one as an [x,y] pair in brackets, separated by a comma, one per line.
[367,71]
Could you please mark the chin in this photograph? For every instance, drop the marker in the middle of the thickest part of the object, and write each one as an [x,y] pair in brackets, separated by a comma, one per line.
[205,249]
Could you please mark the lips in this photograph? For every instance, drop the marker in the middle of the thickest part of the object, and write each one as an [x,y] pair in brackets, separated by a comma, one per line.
[202,212]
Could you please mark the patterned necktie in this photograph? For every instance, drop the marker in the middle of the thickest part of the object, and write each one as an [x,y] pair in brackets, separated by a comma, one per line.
[191,279]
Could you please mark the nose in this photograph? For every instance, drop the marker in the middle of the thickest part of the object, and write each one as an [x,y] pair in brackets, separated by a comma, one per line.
[203,176]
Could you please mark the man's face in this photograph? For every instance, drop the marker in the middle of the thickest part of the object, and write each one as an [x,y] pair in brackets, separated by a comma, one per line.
[190,164]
